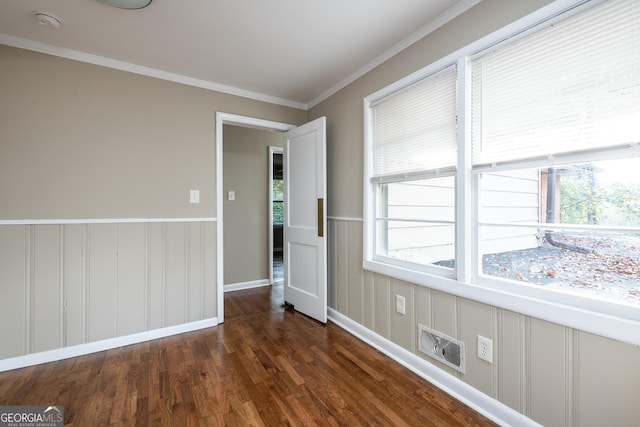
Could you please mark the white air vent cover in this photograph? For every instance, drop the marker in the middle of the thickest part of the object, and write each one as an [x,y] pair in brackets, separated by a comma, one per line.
[441,347]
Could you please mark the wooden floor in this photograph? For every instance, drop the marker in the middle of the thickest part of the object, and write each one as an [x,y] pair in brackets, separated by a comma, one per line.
[263,366]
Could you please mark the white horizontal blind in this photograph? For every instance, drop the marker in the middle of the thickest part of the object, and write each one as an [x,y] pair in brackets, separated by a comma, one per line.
[414,130]
[571,87]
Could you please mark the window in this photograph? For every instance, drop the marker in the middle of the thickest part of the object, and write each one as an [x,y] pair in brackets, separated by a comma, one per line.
[562,99]
[529,181]
[413,160]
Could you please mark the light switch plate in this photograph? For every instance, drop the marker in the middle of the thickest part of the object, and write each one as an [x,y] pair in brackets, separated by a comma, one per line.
[194,196]
[231,195]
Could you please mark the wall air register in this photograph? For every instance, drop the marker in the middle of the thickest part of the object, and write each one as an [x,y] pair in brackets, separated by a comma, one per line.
[441,347]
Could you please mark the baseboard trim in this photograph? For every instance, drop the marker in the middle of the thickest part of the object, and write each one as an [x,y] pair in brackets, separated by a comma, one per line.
[108,344]
[486,405]
[246,285]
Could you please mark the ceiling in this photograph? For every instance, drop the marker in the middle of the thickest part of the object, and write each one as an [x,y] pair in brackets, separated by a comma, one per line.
[292,52]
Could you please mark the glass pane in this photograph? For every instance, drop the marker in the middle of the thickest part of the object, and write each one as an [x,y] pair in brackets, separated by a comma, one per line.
[583,259]
[416,242]
[428,199]
[600,265]
[278,192]
[278,215]
[403,206]
[604,193]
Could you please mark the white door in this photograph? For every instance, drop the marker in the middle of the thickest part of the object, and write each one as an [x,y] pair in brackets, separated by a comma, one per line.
[305,224]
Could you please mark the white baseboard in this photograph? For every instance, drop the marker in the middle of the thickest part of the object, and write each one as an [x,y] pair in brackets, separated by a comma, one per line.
[108,344]
[246,285]
[486,405]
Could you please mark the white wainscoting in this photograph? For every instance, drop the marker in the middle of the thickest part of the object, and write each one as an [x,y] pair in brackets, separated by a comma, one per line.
[86,281]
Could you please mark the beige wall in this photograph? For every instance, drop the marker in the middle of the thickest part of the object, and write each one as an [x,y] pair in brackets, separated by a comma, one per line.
[554,374]
[79,141]
[246,219]
[83,141]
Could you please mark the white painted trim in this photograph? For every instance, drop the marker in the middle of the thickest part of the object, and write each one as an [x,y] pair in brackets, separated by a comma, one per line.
[108,344]
[253,122]
[246,285]
[100,221]
[220,120]
[144,71]
[465,233]
[344,218]
[480,402]
[533,304]
[448,15]
[243,121]
[433,25]
[368,194]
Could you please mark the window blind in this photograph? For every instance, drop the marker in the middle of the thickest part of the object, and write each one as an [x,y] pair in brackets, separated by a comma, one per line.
[414,130]
[574,86]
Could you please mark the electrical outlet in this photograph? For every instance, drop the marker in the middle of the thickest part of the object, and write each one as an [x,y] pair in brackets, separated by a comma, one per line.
[400,304]
[485,349]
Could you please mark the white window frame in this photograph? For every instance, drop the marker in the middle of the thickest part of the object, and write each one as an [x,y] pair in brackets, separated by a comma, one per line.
[375,183]
[617,321]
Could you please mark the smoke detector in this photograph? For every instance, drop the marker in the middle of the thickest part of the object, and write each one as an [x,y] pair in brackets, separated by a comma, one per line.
[48,20]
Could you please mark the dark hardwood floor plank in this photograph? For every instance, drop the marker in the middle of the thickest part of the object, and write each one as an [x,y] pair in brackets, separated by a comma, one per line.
[265,366]
[361,392]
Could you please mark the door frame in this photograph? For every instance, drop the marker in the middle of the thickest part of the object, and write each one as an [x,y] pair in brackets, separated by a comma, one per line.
[272,151]
[242,121]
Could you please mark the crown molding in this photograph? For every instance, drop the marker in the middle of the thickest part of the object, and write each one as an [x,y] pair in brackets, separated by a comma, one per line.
[141,70]
[446,16]
[75,55]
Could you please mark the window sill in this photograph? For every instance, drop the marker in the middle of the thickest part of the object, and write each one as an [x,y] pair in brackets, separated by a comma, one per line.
[622,323]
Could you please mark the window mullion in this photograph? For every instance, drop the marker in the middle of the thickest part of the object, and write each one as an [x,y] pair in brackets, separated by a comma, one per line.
[464,209]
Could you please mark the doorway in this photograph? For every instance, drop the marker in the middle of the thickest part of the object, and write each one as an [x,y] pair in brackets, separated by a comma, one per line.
[305,243]
[276,207]
[241,121]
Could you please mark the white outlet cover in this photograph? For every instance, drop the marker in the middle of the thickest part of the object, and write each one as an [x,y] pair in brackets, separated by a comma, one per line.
[485,349]
[400,304]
